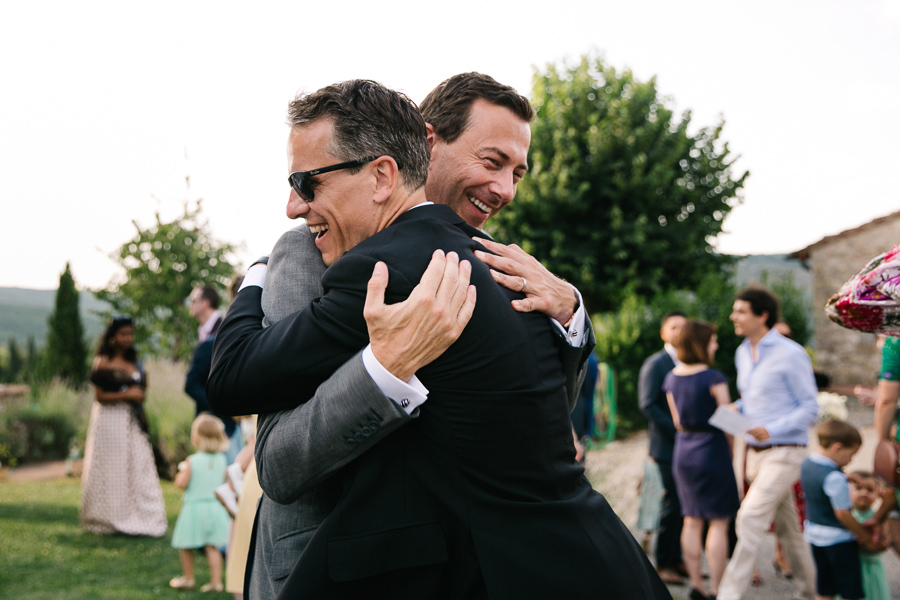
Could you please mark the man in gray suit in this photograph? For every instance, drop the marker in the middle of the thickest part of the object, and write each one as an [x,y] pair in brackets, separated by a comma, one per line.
[479,135]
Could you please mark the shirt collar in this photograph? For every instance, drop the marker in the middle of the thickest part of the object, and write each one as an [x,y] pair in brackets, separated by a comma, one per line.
[672,352]
[205,330]
[822,459]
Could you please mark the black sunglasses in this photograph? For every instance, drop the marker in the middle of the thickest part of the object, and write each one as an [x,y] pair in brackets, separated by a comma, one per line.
[301,183]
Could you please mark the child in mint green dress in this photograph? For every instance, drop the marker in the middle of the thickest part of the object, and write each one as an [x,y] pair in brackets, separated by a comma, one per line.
[202,522]
[863,493]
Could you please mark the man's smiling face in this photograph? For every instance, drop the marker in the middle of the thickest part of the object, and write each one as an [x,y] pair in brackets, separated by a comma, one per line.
[476,175]
[342,212]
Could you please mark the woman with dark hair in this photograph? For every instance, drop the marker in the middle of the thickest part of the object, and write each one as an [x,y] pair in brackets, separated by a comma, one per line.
[701,463]
[120,487]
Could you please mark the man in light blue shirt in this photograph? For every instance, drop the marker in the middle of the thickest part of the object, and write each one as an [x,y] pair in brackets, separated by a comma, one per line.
[778,394]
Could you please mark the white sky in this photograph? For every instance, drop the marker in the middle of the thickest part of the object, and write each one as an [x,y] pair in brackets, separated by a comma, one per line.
[106,107]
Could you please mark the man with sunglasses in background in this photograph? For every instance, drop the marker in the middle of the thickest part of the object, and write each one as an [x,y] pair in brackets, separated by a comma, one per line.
[478,135]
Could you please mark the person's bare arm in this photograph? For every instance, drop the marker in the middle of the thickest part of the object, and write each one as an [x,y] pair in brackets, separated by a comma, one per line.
[673,410]
[886,395]
[863,535]
[183,477]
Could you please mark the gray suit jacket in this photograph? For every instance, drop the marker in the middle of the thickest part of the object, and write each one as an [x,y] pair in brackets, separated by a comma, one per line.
[347,416]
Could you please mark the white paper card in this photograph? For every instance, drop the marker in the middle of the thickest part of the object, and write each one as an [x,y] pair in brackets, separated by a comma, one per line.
[730,421]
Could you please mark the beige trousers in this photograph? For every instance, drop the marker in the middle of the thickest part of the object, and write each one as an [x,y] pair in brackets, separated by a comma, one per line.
[772,474]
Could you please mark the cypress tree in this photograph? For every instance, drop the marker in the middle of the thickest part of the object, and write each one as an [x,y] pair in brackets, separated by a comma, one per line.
[16,362]
[66,350]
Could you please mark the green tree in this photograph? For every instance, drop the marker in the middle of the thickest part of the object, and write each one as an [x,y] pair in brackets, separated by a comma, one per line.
[15,362]
[66,351]
[31,357]
[794,304]
[621,196]
[163,263]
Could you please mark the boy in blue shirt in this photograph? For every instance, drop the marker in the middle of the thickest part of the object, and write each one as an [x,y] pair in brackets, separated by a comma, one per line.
[833,533]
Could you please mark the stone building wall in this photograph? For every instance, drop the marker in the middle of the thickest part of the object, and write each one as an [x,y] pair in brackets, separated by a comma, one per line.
[848,357]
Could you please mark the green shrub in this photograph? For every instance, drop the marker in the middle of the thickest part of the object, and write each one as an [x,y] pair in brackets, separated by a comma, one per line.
[55,418]
[44,426]
[37,434]
[170,413]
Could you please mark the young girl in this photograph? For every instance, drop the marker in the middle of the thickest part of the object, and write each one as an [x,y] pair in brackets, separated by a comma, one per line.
[203,521]
[863,493]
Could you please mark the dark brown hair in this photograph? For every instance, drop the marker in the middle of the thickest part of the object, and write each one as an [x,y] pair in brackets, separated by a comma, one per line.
[693,342]
[104,346]
[835,431]
[369,120]
[210,294]
[447,106]
[761,301]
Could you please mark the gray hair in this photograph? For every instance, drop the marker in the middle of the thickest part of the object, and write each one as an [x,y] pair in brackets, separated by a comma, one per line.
[369,120]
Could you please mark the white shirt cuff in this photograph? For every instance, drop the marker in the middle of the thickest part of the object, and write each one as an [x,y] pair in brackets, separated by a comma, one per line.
[409,395]
[575,335]
[256,275]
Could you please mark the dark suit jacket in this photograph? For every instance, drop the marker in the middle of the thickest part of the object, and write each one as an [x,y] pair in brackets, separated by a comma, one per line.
[198,373]
[655,406]
[478,497]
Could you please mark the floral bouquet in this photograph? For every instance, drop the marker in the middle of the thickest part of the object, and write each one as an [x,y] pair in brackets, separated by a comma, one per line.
[870,300]
[832,406]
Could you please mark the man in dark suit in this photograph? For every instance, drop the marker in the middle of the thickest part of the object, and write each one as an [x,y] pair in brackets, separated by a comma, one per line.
[661,428]
[480,496]
[479,148]
[203,305]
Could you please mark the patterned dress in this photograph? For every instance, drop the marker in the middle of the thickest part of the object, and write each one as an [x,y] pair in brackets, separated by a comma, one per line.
[119,485]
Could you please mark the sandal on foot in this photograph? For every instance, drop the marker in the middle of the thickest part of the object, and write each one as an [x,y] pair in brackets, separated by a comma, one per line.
[181,583]
[212,587]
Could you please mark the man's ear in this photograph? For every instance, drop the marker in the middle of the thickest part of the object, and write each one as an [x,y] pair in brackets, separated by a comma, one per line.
[387,178]
[431,136]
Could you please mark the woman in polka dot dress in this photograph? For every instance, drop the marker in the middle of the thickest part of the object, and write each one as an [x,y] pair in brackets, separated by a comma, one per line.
[120,487]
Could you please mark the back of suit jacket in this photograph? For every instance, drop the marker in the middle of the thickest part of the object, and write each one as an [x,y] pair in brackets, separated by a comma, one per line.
[481,494]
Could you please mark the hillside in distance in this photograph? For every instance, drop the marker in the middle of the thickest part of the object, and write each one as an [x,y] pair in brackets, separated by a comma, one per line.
[24,312]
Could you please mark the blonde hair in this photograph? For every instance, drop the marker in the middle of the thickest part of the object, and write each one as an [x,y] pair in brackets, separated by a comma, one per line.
[208,434]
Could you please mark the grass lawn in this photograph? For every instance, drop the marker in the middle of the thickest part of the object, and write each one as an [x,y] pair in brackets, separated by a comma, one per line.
[46,553]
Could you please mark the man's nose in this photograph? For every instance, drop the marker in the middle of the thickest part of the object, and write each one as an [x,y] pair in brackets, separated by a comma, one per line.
[504,186]
[296,206]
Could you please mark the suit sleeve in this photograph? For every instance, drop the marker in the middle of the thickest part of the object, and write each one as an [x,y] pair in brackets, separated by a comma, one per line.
[198,372]
[575,361]
[650,384]
[296,449]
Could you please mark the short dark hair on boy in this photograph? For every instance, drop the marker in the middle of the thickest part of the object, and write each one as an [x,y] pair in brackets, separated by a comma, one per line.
[835,431]
[761,301]
[693,342]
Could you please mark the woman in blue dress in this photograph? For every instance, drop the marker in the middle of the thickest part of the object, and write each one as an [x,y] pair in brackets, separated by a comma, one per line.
[702,460]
